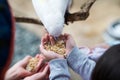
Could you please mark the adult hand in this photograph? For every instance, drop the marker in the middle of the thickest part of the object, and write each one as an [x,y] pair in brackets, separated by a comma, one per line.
[41,71]
[18,71]
[42,74]
[48,54]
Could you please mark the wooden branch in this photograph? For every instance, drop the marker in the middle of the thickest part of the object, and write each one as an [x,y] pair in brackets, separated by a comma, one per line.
[28,20]
[71,17]
[83,14]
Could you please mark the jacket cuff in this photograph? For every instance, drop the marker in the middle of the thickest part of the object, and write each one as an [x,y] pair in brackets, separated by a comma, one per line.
[59,68]
[76,58]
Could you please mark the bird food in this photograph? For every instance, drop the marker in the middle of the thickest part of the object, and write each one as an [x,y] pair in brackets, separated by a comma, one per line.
[32,64]
[58,47]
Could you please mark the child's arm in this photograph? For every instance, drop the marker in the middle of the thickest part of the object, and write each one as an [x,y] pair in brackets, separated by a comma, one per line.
[58,65]
[77,59]
[93,53]
[80,63]
[59,70]
[96,53]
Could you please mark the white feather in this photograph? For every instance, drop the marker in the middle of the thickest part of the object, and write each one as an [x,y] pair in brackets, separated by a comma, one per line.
[51,13]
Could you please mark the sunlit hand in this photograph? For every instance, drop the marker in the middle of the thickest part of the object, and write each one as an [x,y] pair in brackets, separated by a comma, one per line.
[18,71]
[42,74]
[48,54]
[70,43]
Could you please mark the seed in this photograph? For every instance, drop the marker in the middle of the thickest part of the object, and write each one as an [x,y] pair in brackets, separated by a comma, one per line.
[31,66]
[58,47]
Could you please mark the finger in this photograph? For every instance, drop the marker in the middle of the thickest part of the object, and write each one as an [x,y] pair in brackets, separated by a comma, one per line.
[42,56]
[48,72]
[43,40]
[52,41]
[42,67]
[41,46]
[45,73]
[37,56]
[46,69]
[39,64]
[66,35]
[47,37]
[36,76]
[42,49]
[24,73]
[25,61]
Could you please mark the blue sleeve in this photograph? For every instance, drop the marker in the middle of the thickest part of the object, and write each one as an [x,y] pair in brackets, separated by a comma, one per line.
[80,63]
[59,70]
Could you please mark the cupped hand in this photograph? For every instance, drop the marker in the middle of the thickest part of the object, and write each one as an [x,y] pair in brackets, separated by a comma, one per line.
[48,54]
[18,71]
[42,74]
[70,43]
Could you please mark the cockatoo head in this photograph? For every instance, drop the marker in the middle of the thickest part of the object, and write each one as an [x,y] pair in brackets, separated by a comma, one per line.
[51,13]
[54,24]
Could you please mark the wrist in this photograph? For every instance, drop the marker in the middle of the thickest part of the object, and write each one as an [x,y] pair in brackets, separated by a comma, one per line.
[68,51]
[61,57]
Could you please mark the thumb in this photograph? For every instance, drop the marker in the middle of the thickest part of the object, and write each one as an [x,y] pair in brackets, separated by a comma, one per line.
[25,61]
[39,75]
[27,73]
[42,49]
[45,71]
[24,73]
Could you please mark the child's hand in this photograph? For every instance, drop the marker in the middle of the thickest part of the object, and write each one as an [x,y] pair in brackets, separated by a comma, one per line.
[48,54]
[70,43]
[18,71]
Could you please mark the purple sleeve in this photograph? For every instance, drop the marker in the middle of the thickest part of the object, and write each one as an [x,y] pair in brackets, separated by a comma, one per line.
[96,53]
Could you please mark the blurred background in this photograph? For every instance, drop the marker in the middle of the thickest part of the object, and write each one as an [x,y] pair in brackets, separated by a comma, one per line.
[86,33]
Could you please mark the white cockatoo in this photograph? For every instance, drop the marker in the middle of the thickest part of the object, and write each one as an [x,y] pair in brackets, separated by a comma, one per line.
[51,13]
